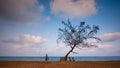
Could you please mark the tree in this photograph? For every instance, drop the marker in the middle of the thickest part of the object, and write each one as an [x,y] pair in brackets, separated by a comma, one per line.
[77,36]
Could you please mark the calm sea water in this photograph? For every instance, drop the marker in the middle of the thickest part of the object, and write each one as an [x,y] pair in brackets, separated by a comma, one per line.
[53,58]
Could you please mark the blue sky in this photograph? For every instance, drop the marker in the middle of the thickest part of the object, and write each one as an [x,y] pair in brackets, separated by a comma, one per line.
[30,27]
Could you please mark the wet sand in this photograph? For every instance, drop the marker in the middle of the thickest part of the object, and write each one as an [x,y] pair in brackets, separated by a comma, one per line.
[49,64]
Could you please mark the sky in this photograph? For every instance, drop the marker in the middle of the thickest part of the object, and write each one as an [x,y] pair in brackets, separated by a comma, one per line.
[30,27]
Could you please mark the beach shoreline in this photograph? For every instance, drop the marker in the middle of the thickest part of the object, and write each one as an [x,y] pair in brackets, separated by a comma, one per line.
[58,64]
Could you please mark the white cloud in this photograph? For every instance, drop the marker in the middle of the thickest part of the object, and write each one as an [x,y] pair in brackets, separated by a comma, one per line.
[73,9]
[25,40]
[20,11]
[22,45]
[108,37]
[101,50]
[104,46]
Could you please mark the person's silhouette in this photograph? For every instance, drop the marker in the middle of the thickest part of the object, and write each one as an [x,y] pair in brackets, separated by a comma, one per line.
[73,59]
[69,58]
[46,57]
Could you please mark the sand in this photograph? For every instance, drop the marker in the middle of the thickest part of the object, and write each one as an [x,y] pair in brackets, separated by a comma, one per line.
[43,64]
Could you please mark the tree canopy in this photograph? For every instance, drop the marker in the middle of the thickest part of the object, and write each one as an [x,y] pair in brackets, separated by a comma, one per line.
[76,36]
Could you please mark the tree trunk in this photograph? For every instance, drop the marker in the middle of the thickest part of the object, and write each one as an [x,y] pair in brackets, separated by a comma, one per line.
[66,56]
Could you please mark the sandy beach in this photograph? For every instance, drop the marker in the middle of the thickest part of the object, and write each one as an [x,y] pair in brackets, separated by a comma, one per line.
[43,64]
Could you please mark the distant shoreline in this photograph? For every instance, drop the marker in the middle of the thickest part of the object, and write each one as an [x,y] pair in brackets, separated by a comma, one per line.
[55,61]
[57,58]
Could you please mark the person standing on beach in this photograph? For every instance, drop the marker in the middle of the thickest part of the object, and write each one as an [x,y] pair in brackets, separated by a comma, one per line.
[70,59]
[73,59]
[46,57]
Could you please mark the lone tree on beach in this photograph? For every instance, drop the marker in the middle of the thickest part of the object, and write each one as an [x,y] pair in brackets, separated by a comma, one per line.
[77,36]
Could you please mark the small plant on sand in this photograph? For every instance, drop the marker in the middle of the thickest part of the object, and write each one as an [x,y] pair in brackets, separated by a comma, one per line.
[77,36]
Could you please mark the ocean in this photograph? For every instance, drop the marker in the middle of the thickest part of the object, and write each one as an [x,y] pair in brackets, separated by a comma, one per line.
[57,58]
